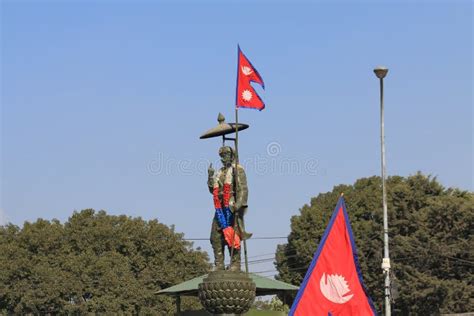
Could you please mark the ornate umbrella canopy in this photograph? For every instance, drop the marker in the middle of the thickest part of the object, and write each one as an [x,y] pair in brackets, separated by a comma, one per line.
[223,128]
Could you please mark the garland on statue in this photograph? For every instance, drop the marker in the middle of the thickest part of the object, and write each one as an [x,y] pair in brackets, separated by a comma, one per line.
[223,214]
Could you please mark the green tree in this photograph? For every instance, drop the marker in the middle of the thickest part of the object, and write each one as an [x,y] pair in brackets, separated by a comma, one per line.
[275,304]
[94,263]
[431,241]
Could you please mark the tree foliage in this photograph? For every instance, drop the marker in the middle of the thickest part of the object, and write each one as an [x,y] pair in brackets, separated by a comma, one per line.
[94,263]
[431,241]
[275,304]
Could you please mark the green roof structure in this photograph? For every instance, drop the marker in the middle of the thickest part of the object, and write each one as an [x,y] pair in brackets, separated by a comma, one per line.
[265,286]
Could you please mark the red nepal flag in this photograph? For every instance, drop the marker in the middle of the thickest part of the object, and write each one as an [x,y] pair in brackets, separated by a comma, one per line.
[333,283]
[246,96]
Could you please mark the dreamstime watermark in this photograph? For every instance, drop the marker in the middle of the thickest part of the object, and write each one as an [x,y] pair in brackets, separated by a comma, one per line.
[272,162]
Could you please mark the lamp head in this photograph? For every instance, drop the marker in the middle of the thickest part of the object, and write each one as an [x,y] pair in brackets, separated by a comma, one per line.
[380,71]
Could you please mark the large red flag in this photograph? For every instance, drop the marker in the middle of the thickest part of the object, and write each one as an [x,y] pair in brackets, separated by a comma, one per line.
[246,96]
[333,284]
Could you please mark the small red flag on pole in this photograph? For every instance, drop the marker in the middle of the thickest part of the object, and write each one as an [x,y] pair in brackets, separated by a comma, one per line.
[246,97]
[333,283]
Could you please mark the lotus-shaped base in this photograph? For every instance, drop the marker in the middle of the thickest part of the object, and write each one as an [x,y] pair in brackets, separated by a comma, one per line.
[227,292]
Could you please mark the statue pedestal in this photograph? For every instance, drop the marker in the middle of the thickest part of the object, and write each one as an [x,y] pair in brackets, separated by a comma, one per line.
[227,292]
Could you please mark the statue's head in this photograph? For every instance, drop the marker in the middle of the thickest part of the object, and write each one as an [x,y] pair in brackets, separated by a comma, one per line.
[227,155]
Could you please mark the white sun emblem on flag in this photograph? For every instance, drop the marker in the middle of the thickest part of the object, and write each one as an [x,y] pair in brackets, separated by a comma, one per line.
[247,95]
[247,70]
[335,288]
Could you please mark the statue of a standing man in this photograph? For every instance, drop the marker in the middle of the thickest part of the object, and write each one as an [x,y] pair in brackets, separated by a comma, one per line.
[230,204]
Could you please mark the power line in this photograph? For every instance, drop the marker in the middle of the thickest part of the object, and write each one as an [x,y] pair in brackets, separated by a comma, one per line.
[290,249]
[293,249]
[292,269]
[459,259]
[269,259]
[262,255]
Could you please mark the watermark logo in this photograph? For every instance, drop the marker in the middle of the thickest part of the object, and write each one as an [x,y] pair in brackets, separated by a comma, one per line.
[273,162]
[273,149]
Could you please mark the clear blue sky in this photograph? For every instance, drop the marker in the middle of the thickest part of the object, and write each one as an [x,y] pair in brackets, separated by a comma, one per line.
[98,96]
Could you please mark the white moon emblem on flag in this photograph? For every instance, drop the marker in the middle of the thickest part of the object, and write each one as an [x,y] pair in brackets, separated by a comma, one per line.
[246,70]
[335,288]
[247,95]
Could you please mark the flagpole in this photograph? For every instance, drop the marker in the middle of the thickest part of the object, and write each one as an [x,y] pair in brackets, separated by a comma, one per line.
[237,186]
[381,72]
[236,178]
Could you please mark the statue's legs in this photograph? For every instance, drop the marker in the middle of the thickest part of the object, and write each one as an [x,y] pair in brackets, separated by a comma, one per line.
[218,243]
[235,260]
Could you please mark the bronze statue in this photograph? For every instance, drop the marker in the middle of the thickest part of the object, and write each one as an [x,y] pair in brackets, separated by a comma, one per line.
[228,291]
[229,175]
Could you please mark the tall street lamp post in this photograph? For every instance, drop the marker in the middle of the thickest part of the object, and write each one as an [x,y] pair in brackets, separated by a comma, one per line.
[381,72]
